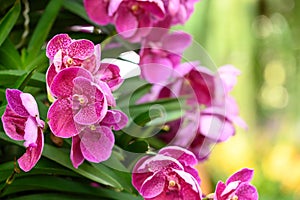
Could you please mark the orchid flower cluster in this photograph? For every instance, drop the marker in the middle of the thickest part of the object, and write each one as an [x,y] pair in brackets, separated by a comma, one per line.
[80,88]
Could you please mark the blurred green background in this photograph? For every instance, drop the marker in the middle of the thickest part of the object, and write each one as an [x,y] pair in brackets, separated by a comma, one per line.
[261,38]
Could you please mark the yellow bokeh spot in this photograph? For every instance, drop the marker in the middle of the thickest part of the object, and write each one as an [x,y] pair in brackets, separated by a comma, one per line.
[274,73]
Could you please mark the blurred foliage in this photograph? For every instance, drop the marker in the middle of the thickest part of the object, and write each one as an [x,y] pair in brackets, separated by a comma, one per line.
[261,38]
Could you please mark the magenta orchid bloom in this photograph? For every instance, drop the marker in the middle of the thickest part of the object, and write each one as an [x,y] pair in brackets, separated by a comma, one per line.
[179,11]
[21,122]
[161,52]
[95,142]
[65,52]
[208,96]
[168,175]
[236,187]
[79,101]
[132,18]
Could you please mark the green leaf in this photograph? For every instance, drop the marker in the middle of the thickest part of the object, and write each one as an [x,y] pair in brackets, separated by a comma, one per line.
[9,77]
[44,167]
[137,146]
[23,80]
[170,104]
[85,169]
[9,20]
[9,56]
[64,186]
[114,162]
[43,28]
[124,178]
[77,9]
[106,177]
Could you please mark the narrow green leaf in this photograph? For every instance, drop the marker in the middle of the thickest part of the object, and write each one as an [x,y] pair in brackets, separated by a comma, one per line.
[62,157]
[114,162]
[23,80]
[9,20]
[123,178]
[77,9]
[85,169]
[138,146]
[9,56]
[66,186]
[169,104]
[40,62]
[43,28]
[44,167]
[9,77]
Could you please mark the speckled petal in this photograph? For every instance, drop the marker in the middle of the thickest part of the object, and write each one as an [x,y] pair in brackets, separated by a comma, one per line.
[61,121]
[115,119]
[58,42]
[247,192]
[81,49]
[153,185]
[184,156]
[96,145]
[15,102]
[50,74]
[245,175]
[62,85]
[96,108]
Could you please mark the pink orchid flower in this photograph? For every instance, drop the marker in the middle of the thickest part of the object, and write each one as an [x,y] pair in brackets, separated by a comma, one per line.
[236,187]
[132,18]
[95,142]
[168,175]
[160,53]
[179,11]
[212,110]
[65,52]
[79,101]
[21,122]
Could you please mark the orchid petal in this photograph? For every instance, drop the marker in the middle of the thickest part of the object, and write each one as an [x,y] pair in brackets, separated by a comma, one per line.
[96,145]
[31,132]
[13,124]
[153,185]
[58,42]
[182,155]
[97,11]
[62,85]
[76,155]
[32,154]
[15,102]
[245,175]
[61,121]
[247,192]
[30,104]
[126,23]
[115,119]
[81,49]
